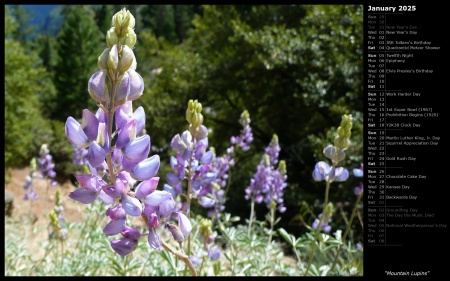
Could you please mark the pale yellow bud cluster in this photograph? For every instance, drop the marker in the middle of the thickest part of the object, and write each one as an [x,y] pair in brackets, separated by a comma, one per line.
[193,113]
[342,140]
[205,228]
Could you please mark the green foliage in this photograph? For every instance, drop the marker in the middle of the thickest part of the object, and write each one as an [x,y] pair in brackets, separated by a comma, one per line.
[79,44]
[26,81]
[171,22]
[295,68]
[86,252]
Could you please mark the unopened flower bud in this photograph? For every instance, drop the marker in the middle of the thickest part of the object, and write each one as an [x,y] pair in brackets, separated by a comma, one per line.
[282,167]
[273,205]
[193,113]
[176,232]
[103,59]
[113,59]
[205,228]
[245,118]
[329,209]
[334,153]
[266,159]
[126,59]
[33,164]
[121,21]
[342,140]
[130,38]
[97,86]
[274,140]
[111,37]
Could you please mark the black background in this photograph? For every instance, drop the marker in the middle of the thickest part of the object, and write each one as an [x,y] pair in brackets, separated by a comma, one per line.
[417,250]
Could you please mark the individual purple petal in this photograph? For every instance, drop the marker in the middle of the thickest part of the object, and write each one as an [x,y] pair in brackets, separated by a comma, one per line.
[334,153]
[97,87]
[111,191]
[154,240]
[196,185]
[157,197]
[102,117]
[339,174]
[186,138]
[105,198]
[207,158]
[75,133]
[127,134]
[126,178]
[138,149]
[208,178]
[187,153]
[146,187]
[149,210]
[184,224]
[321,171]
[139,114]
[199,150]
[214,253]
[130,232]
[89,123]
[203,133]
[96,154]
[153,220]
[116,212]
[114,227]
[122,116]
[146,169]
[173,161]
[123,89]
[172,179]
[120,187]
[177,143]
[206,202]
[128,165]
[124,246]
[89,182]
[170,189]
[195,260]
[359,188]
[166,207]
[358,172]
[136,85]
[132,206]
[83,195]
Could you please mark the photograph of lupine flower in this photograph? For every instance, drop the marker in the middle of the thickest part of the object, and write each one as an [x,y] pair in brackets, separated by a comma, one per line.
[184,140]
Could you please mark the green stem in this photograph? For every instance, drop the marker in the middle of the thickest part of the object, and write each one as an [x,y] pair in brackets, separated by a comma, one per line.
[347,230]
[272,220]
[228,184]
[312,252]
[251,217]
[201,265]
[183,257]
[62,253]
